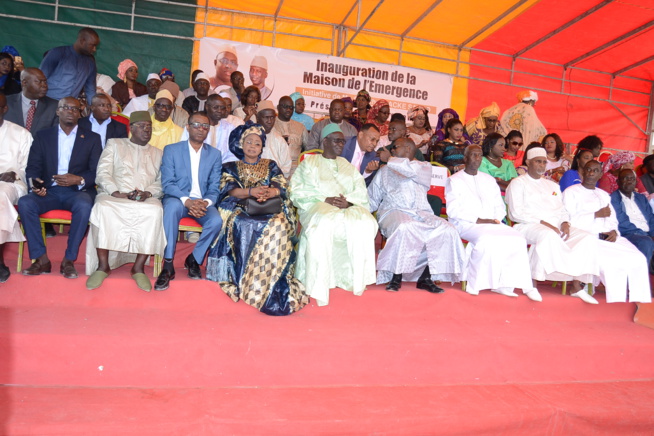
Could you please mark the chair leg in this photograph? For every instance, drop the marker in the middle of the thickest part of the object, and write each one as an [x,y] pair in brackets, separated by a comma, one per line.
[19,264]
[564,288]
[157,265]
[464,285]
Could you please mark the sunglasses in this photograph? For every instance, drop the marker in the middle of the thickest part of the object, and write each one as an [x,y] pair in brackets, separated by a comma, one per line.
[517,143]
[202,126]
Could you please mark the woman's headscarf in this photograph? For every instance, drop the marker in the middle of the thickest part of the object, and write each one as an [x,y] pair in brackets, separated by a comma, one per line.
[10,49]
[296,96]
[415,111]
[479,122]
[124,66]
[364,94]
[619,159]
[239,134]
[372,113]
[527,95]
[440,125]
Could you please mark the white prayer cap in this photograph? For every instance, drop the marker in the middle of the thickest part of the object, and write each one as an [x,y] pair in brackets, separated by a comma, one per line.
[259,61]
[265,104]
[153,76]
[201,76]
[536,152]
[164,93]
[105,82]
[226,48]
[527,95]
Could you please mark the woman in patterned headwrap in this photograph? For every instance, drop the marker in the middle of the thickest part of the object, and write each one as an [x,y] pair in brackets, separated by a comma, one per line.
[622,160]
[443,117]
[522,117]
[486,123]
[363,106]
[127,88]
[8,85]
[253,258]
[420,129]
[378,116]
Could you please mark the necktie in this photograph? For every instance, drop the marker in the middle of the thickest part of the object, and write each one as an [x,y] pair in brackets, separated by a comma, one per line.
[30,115]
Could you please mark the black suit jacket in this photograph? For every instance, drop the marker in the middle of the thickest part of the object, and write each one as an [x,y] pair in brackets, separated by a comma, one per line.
[44,117]
[43,159]
[114,129]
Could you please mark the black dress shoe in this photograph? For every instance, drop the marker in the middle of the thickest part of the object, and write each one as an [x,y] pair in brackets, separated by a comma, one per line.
[163,281]
[4,273]
[193,267]
[429,286]
[67,269]
[395,284]
[38,268]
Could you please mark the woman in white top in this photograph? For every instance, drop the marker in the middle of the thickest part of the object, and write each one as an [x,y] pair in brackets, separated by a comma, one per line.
[557,161]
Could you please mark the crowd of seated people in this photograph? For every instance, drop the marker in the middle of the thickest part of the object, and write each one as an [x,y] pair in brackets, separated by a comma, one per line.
[131,160]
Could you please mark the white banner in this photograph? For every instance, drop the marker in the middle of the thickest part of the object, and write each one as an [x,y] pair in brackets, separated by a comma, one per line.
[322,78]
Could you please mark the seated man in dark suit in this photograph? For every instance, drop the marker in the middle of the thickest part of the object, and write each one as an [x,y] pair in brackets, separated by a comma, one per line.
[62,161]
[190,175]
[31,108]
[359,150]
[100,120]
[635,216]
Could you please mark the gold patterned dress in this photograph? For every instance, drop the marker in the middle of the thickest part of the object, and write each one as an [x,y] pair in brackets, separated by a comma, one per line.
[253,258]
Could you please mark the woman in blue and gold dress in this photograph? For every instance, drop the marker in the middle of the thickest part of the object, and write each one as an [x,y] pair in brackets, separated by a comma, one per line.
[253,258]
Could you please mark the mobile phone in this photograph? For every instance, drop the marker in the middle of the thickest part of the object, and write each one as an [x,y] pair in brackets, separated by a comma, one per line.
[36,184]
[604,236]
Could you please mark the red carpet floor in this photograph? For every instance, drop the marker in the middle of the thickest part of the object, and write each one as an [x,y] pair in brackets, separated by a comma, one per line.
[189,361]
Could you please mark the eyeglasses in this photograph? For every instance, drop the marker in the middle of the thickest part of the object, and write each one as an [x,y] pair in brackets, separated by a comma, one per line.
[70,108]
[286,106]
[517,143]
[338,141]
[202,126]
[226,62]
[163,106]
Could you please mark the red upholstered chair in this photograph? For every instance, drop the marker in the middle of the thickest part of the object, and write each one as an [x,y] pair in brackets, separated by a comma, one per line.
[185,225]
[308,153]
[121,118]
[55,216]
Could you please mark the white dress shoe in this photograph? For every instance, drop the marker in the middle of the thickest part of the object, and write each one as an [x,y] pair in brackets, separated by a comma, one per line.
[534,295]
[584,296]
[505,291]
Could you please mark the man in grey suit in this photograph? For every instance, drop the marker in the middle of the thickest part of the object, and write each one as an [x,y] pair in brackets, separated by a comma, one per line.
[32,99]
[190,175]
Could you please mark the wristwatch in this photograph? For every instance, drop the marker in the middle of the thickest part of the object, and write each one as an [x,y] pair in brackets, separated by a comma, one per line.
[82,182]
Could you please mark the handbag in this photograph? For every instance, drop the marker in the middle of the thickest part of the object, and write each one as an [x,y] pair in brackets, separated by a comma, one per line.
[252,207]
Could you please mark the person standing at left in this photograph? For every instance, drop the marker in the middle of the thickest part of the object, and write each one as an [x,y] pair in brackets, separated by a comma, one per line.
[62,164]
[71,68]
